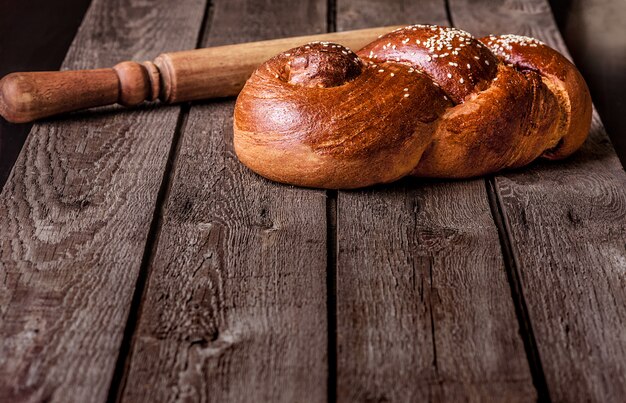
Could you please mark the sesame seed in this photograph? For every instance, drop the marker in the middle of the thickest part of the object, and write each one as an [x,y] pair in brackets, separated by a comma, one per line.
[461,81]
[449,75]
[405,89]
[476,57]
[381,70]
[468,66]
[392,74]
[287,54]
[406,95]
[487,62]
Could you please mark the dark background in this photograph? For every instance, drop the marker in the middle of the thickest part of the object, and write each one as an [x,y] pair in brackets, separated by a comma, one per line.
[35,35]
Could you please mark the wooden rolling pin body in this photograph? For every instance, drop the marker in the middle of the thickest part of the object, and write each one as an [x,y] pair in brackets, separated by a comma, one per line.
[172,77]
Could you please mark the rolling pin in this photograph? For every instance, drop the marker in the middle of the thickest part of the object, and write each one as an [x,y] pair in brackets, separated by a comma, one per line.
[172,77]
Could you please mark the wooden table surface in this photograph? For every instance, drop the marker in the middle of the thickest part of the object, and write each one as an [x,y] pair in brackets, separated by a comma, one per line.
[140,261]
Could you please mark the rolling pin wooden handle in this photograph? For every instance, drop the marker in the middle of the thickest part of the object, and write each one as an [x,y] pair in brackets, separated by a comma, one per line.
[172,77]
[25,97]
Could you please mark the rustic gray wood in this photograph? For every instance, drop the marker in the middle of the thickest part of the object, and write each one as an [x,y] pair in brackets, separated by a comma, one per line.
[424,311]
[75,214]
[235,304]
[566,223]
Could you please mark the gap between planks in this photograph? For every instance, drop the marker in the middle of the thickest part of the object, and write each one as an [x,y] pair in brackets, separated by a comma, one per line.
[521,310]
[331,250]
[331,291]
[446,4]
[513,278]
[118,382]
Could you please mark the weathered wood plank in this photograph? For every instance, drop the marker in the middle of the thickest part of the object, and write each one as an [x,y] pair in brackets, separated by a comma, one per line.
[424,311]
[566,222]
[34,35]
[235,305]
[75,214]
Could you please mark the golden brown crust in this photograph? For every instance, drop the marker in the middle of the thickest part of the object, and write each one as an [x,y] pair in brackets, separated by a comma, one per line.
[422,100]
[562,76]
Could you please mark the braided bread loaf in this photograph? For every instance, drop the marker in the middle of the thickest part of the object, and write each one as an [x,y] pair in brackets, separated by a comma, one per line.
[422,100]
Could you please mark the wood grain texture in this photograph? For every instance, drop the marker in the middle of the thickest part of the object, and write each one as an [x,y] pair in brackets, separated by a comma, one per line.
[424,311]
[34,35]
[567,226]
[75,213]
[235,304]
